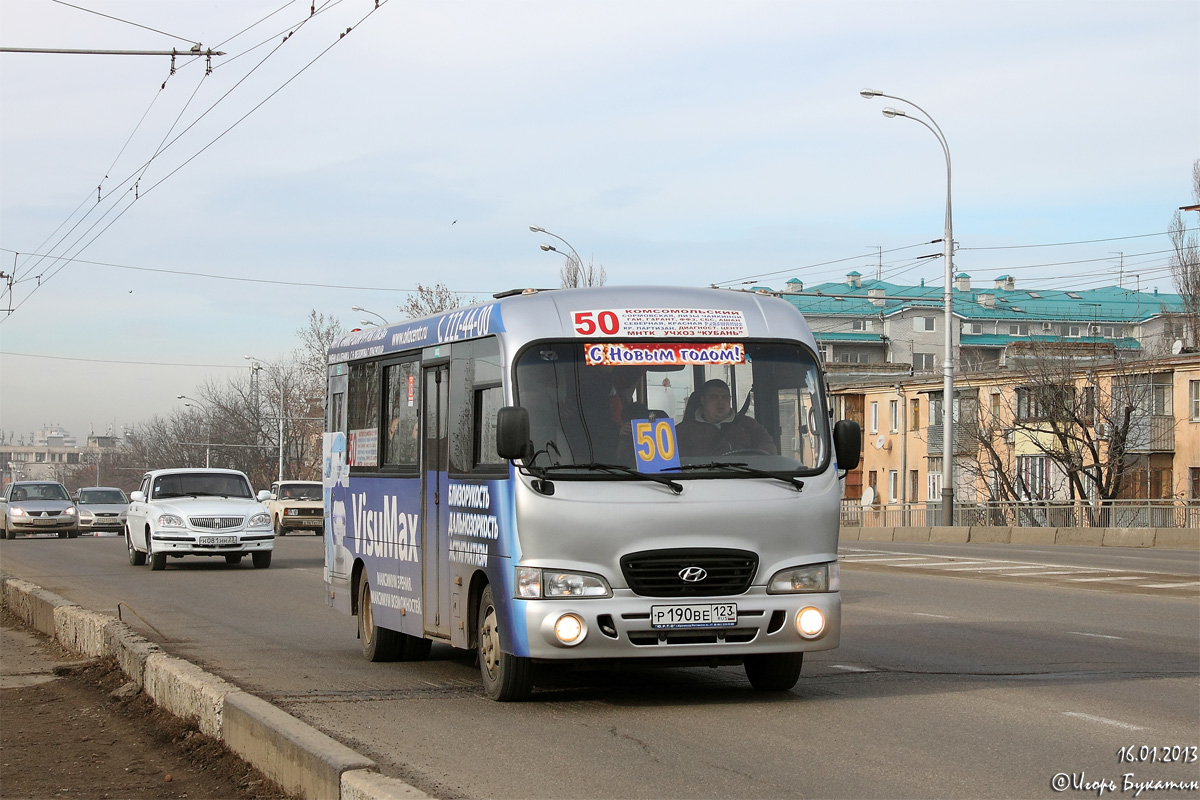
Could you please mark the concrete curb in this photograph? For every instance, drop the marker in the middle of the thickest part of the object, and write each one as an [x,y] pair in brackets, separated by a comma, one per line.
[1160,538]
[290,752]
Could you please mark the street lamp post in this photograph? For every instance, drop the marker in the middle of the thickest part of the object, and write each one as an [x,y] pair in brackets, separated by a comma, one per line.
[365,311]
[948,359]
[549,248]
[192,402]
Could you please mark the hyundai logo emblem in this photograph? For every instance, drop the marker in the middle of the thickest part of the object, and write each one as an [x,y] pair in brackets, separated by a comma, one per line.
[693,574]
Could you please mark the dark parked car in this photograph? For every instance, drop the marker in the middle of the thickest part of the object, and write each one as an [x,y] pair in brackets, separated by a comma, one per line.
[38,507]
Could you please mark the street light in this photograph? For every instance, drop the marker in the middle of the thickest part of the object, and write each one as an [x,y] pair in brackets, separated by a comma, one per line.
[365,311]
[207,448]
[948,360]
[549,248]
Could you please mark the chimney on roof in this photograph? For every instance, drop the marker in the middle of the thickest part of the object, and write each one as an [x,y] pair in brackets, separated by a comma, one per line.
[962,282]
[876,296]
[854,279]
[986,299]
[794,285]
[1006,282]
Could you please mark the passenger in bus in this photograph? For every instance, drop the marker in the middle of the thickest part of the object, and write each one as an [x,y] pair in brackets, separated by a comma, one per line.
[715,429]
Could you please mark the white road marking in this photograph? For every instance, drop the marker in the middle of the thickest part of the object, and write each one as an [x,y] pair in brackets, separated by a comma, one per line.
[849,668]
[935,616]
[1096,635]
[1168,585]
[1110,578]
[1104,721]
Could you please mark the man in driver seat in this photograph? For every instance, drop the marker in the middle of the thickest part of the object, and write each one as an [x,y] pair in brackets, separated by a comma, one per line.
[716,429]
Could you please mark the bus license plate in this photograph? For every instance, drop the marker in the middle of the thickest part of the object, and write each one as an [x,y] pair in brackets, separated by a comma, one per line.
[715,615]
[218,540]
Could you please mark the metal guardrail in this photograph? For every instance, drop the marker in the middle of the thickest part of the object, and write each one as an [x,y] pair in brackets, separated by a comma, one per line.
[1030,514]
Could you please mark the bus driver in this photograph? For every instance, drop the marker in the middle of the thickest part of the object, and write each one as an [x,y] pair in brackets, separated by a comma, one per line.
[716,429]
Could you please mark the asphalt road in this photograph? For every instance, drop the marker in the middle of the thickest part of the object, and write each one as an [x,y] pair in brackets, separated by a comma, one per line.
[964,672]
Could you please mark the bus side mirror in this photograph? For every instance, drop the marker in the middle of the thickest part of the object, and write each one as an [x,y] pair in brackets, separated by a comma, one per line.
[512,432]
[847,443]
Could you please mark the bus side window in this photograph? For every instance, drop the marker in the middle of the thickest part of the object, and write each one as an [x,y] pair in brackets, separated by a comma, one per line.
[475,397]
[403,413]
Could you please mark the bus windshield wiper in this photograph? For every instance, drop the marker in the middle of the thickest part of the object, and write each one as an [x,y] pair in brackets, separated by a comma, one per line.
[617,469]
[740,466]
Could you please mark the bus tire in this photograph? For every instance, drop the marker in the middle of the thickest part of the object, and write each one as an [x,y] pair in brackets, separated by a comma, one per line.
[773,672]
[506,677]
[414,648]
[378,644]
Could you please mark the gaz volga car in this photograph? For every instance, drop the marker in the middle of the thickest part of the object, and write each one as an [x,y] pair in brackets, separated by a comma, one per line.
[38,507]
[197,512]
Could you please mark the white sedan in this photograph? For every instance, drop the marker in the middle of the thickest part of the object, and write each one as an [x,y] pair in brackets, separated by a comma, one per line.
[197,512]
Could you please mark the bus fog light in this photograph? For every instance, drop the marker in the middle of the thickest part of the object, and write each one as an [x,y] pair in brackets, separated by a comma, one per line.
[570,629]
[810,622]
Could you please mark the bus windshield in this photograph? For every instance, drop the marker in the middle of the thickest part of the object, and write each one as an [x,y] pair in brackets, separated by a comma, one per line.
[737,408]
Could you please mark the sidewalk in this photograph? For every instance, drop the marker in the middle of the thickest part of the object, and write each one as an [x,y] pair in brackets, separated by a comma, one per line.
[78,728]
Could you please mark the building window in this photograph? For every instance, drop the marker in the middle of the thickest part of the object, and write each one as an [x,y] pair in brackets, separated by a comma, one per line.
[933,480]
[893,486]
[924,324]
[894,416]
[923,362]
[1018,330]
[915,418]
[1031,477]
[1194,400]
[996,410]
[874,421]
[1194,482]
[914,484]
[860,325]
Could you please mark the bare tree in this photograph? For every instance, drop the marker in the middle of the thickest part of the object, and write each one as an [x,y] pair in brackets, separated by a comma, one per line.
[574,274]
[1080,428]
[1185,264]
[428,300]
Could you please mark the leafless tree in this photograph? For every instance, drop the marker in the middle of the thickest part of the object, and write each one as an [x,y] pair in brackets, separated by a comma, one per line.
[1185,264]
[428,300]
[574,274]
[1088,422]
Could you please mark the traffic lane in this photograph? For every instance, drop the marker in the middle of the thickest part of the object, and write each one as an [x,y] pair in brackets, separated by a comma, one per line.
[990,697]
[1171,562]
[900,730]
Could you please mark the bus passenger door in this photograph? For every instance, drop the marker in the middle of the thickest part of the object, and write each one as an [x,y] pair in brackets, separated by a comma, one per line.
[435,461]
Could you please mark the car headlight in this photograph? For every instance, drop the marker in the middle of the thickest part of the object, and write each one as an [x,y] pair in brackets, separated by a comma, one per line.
[16,512]
[811,578]
[85,514]
[535,583]
[170,521]
[260,520]
[291,512]
[69,511]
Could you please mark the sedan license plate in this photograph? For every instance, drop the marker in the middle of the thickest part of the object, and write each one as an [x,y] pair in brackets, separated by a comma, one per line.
[45,522]
[218,540]
[715,615]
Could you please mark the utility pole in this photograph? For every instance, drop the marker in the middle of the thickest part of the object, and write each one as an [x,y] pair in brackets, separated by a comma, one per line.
[196,51]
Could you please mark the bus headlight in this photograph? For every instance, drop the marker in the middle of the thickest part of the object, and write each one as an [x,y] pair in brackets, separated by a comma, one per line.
[570,629]
[811,578]
[534,583]
[810,622]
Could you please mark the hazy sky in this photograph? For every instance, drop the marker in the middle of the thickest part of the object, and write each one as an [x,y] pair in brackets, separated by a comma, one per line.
[681,143]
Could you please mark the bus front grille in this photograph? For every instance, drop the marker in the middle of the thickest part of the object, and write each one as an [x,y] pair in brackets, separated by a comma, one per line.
[694,572]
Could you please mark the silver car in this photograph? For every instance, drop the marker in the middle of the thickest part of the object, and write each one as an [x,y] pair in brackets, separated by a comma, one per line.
[102,509]
[38,507]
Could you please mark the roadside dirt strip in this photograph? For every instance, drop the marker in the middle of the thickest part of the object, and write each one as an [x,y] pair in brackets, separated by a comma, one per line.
[299,758]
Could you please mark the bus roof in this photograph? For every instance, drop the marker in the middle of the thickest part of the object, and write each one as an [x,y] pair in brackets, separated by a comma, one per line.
[606,312]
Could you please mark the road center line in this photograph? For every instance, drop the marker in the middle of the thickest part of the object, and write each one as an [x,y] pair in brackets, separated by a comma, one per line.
[849,668]
[1096,635]
[1111,578]
[1103,721]
[1168,585]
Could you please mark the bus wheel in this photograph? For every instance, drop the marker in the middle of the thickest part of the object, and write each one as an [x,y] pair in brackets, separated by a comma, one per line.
[378,644]
[505,677]
[414,648]
[773,672]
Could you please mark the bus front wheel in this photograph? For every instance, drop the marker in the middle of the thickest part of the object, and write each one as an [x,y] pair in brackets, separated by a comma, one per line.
[773,672]
[505,677]
[378,644]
